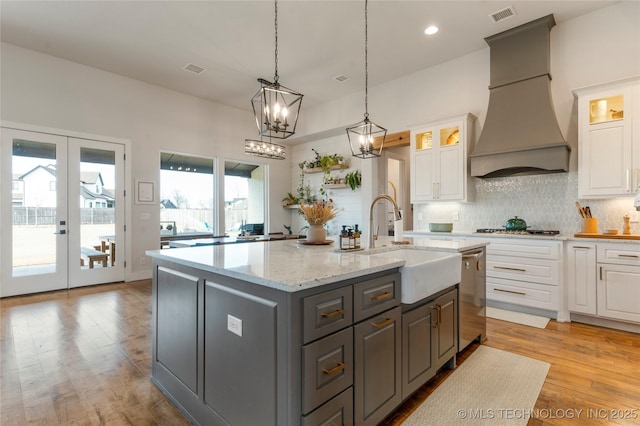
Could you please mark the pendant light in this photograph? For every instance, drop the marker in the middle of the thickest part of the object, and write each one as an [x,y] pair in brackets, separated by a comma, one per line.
[362,134]
[261,148]
[276,107]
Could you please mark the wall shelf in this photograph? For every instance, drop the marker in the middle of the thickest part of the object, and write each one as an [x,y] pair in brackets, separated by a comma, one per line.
[291,206]
[319,169]
[334,185]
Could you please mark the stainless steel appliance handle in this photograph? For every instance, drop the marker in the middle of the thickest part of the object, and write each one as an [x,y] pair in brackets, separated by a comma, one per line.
[472,255]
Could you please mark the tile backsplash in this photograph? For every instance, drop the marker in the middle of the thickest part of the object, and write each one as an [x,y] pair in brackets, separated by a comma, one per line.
[544,201]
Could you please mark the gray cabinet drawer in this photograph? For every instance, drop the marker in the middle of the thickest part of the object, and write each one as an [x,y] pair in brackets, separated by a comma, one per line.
[374,296]
[336,412]
[327,368]
[327,312]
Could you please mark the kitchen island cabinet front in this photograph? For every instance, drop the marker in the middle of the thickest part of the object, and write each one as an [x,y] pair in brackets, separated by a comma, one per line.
[228,351]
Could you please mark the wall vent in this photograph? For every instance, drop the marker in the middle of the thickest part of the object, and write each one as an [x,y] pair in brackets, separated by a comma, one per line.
[341,78]
[503,14]
[194,68]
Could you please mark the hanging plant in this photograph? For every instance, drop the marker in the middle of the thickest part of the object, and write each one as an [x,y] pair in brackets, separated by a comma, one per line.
[353,179]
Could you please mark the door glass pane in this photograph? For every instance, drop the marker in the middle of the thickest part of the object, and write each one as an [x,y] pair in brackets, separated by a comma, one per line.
[97,208]
[186,197]
[244,192]
[34,204]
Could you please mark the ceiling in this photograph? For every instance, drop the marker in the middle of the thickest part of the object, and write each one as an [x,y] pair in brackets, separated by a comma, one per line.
[152,41]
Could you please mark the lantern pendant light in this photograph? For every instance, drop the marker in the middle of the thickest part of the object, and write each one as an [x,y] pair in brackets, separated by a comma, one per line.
[361,135]
[276,107]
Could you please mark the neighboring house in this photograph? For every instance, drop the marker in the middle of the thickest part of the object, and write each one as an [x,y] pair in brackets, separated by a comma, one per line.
[93,194]
[17,191]
[37,188]
[237,204]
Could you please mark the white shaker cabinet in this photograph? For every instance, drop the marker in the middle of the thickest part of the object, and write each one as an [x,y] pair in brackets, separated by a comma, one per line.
[619,281]
[581,277]
[439,163]
[609,139]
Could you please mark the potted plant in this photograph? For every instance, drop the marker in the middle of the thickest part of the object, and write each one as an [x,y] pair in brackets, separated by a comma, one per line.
[317,214]
[353,179]
[290,200]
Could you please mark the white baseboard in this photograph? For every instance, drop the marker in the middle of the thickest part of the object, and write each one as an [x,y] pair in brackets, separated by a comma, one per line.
[139,275]
[604,322]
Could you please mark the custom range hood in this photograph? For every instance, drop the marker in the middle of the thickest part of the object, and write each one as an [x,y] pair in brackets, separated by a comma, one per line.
[521,135]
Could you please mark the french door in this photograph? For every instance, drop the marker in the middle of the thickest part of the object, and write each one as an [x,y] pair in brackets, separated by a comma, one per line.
[62,212]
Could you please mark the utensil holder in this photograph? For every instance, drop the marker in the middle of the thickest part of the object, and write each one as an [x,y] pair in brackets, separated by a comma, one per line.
[590,225]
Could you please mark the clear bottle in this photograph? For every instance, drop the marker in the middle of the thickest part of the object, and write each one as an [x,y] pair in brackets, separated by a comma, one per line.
[356,234]
[344,238]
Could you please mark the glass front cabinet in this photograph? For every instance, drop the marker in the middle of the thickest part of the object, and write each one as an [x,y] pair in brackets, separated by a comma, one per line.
[439,164]
[608,139]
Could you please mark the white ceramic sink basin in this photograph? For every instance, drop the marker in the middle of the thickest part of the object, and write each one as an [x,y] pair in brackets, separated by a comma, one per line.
[425,272]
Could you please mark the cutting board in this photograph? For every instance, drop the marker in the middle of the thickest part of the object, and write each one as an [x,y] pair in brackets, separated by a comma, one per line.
[609,236]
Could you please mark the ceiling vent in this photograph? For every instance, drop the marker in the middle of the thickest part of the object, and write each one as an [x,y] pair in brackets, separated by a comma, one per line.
[503,14]
[194,68]
[341,78]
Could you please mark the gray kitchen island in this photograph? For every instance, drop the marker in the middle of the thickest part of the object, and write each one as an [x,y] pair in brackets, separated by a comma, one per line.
[281,334]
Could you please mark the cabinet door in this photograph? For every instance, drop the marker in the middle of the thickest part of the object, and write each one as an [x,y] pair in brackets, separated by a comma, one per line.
[445,338]
[581,277]
[450,184]
[619,292]
[176,343]
[422,177]
[417,355]
[377,367]
[240,354]
[606,146]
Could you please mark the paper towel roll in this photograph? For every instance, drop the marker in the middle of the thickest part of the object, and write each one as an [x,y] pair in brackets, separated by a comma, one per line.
[397,230]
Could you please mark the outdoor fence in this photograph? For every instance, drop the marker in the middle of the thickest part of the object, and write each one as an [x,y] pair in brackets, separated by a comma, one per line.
[41,216]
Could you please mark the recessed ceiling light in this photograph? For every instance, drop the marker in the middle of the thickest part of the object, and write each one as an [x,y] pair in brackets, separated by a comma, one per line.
[431,29]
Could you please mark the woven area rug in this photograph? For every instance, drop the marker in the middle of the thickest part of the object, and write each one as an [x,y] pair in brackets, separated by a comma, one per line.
[517,317]
[491,387]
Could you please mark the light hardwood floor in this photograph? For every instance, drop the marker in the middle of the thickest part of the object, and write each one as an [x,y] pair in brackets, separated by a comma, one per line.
[83,357]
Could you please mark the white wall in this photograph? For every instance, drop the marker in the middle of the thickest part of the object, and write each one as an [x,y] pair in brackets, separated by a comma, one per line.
[598,47]
[46,91]
[348,202]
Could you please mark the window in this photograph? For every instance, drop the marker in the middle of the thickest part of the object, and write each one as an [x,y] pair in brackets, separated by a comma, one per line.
[244,198]
[15,185]
[186,195]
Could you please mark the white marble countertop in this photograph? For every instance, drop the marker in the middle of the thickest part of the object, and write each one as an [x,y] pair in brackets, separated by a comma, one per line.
[292,266]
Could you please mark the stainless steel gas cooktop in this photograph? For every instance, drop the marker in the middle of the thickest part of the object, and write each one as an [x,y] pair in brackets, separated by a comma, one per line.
[519,232]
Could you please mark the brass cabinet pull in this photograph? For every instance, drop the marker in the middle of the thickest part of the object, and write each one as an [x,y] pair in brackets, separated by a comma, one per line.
[510,291]
[510,269]
[383,323]
[438,315]
[633,256]
[581,247]
[334,370]
[385,295]
[333,314]
[601,273]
